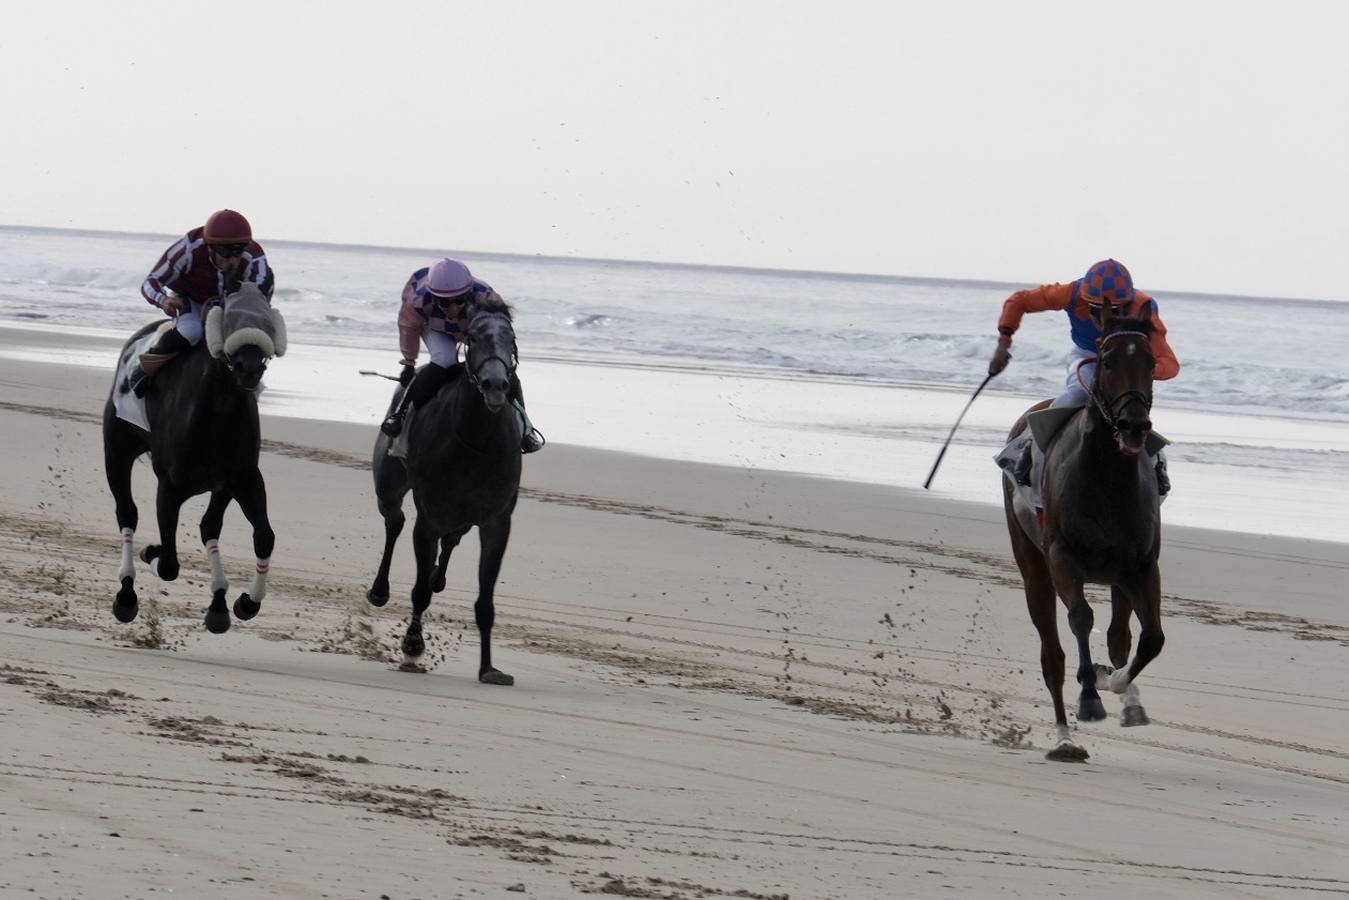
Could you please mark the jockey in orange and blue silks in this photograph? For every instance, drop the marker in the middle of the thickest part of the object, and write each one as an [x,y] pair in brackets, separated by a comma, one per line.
[1083,300]
[434,311]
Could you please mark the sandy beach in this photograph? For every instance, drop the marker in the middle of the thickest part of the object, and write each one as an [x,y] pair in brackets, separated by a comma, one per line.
[730,683]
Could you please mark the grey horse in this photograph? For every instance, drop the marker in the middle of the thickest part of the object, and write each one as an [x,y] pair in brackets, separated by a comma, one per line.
[463,468]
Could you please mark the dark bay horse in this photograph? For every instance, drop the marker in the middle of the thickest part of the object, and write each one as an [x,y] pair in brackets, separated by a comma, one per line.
[1101,524]
[463,468]
[204,436]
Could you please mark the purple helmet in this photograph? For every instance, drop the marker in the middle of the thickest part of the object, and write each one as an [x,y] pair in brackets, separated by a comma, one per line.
[448,278]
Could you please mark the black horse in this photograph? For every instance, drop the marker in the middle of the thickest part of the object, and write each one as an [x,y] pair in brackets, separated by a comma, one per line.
[463,468]
[203,436]
[1101,524]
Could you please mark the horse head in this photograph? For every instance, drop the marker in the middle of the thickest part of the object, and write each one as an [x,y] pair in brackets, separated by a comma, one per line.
[244,332]
[1122,388]
[490,356]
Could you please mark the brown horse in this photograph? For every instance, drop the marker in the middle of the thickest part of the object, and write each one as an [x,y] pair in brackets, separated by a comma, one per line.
[1101,524]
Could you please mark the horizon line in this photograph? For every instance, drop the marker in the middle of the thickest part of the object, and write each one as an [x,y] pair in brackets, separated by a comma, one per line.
[640,263]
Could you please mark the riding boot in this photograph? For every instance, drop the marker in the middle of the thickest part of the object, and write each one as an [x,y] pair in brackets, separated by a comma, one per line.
[1023,465]
[1163,480]
[429,379]
[531,439]
[169,345]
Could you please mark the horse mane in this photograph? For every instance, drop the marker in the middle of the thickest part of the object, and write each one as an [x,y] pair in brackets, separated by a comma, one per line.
[1124,323]
[489,302]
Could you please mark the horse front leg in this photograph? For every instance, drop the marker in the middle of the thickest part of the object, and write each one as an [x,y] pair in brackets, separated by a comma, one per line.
[1068,582]
[117,465]
[252,499]
[494,536]
[447,545]
[164,555]
[1146,595]
[217,616]
[424,550]
[1119,639]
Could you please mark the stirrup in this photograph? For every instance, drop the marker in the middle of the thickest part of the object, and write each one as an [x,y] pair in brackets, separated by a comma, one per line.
[532,441]
[393,425]
[138,383]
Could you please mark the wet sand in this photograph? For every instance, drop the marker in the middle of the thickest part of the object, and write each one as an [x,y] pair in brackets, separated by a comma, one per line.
[729,683]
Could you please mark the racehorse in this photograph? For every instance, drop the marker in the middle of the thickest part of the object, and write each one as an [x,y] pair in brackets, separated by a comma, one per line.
[203,436]
[463,468]
[1101,524]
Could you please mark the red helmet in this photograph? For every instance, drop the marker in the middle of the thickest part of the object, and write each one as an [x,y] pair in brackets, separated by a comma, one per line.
[228,227]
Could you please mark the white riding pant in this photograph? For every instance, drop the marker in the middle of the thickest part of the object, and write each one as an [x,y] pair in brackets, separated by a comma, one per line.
[189,323]
[444,349]
[1074,394]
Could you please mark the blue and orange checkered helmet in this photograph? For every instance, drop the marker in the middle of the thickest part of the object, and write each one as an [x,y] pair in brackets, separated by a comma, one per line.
[1107,282]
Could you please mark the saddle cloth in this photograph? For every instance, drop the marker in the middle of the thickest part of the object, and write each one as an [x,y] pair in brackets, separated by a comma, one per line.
[126,404]
[1041,426]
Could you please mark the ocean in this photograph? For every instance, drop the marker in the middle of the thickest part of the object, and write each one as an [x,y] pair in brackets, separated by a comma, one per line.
[855,377]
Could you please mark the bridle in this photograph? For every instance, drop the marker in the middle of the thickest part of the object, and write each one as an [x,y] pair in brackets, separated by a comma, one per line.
[473,365]
[1111,409]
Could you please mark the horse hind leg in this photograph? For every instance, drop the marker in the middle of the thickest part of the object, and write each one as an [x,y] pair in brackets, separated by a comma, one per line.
[391,509]
[1041,603]
[117,467]
[447,545]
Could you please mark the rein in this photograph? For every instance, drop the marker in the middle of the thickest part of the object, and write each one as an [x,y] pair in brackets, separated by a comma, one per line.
[1112,410]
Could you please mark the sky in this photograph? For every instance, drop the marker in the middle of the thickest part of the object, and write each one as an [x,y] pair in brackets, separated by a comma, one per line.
[1203,145]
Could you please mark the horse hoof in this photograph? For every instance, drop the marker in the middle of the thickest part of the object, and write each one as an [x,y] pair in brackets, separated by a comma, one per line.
[218,616]
[377,599]
[150,552]
[493,676]
[413,646]
[411,665]
[1067,752]
[246,607]
[1133,715]
[126,605]
[1090,709]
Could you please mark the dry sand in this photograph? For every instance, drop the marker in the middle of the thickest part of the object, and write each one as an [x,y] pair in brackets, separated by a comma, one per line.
[730,683]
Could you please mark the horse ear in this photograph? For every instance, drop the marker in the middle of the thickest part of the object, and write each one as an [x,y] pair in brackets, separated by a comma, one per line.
[1146,315]
[215,337]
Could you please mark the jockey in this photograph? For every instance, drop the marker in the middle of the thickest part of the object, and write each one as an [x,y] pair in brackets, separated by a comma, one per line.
[434,311]
[199,269]
[1083,300]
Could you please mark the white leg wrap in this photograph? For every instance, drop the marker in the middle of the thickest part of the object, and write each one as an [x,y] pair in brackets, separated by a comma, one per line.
[218,580]
[259,588]
[1131,696]
[1119,681]
[1065,736]
[128,569]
